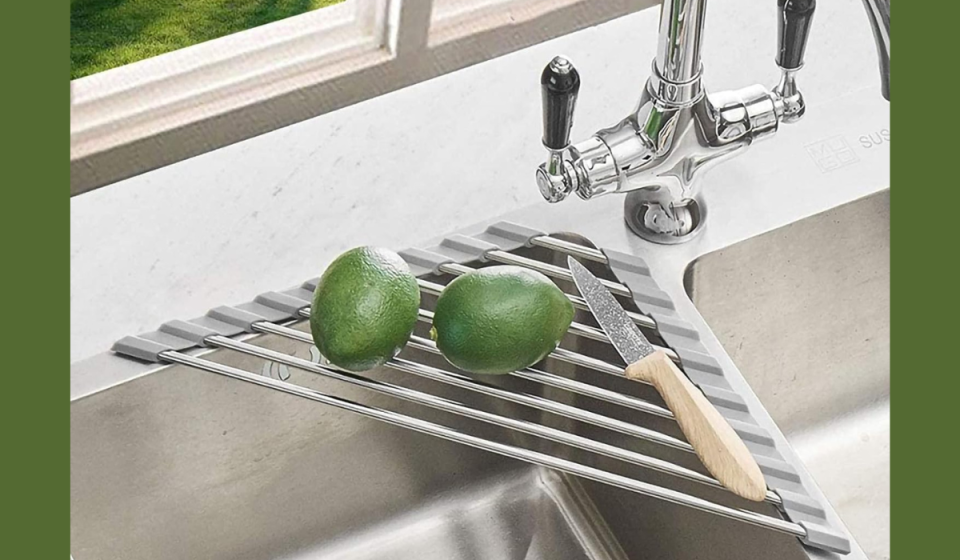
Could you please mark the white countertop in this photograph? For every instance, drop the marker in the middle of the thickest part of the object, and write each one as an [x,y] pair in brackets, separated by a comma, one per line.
[270,212]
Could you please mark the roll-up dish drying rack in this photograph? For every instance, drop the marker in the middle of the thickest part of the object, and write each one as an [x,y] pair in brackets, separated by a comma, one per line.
[628,277]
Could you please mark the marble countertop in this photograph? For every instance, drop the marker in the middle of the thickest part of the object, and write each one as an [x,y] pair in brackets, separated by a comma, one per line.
[270,212]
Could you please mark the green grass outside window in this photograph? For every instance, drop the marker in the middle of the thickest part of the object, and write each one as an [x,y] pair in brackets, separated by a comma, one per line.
[105,34]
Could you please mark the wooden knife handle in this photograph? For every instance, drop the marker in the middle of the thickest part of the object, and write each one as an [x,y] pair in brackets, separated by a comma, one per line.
[718,446]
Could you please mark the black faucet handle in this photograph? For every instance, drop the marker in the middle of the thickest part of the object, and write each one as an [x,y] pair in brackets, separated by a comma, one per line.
[559,85]
[793,28]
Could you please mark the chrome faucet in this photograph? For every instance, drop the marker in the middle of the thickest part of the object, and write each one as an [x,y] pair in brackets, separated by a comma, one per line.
[660,151]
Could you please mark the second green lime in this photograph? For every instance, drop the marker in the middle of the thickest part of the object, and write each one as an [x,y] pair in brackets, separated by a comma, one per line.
[500,319]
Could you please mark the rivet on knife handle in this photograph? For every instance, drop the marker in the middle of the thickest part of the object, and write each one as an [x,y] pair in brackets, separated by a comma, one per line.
[718,446]
[720,449]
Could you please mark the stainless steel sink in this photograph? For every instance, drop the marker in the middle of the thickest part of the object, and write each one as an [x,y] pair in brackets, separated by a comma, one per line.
[181,463]
[804,313]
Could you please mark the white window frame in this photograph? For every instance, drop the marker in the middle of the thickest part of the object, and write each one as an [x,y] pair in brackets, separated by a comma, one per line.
[157,111]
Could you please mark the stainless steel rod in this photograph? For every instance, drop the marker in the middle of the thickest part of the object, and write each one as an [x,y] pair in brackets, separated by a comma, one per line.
[579,359]
[587,331]
[429,287]
[571,385]
[506,450]
[545,378]
[568,356]
[640,319]
[551,270]
[577,329]
[460,409]
[533,401]
[569,248]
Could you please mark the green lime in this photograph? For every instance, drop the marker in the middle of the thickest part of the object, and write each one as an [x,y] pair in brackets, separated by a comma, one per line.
[364,308]
[500,319]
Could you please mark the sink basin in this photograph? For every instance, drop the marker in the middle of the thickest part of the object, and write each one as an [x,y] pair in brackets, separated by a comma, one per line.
[804,313]
[181,463]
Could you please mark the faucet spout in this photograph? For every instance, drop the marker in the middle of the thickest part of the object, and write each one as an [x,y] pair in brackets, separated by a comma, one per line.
[681,33]
[878,12]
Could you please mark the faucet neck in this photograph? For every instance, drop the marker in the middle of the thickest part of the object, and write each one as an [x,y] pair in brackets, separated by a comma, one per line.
[681,32]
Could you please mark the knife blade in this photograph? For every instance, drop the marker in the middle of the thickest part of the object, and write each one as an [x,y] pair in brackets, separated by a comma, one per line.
[719,447]
[624,334]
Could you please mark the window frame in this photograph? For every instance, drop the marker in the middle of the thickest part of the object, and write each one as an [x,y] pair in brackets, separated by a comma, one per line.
[138,117]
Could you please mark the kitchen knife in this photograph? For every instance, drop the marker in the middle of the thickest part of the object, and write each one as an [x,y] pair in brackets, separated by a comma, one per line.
[720,448]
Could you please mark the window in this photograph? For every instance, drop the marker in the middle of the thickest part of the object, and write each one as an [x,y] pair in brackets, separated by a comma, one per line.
[174,89]
[105,34]
[157,111]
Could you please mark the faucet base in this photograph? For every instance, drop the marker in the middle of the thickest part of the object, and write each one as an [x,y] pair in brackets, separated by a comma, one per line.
[653,214]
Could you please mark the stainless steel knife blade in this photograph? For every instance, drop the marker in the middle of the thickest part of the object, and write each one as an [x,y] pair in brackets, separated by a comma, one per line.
[623,333]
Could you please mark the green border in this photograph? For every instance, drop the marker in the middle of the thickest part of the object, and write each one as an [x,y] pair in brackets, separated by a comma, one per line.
[34,40]
[925,239]
[35,45]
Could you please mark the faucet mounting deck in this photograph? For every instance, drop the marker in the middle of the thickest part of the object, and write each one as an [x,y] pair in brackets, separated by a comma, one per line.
[659,153]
